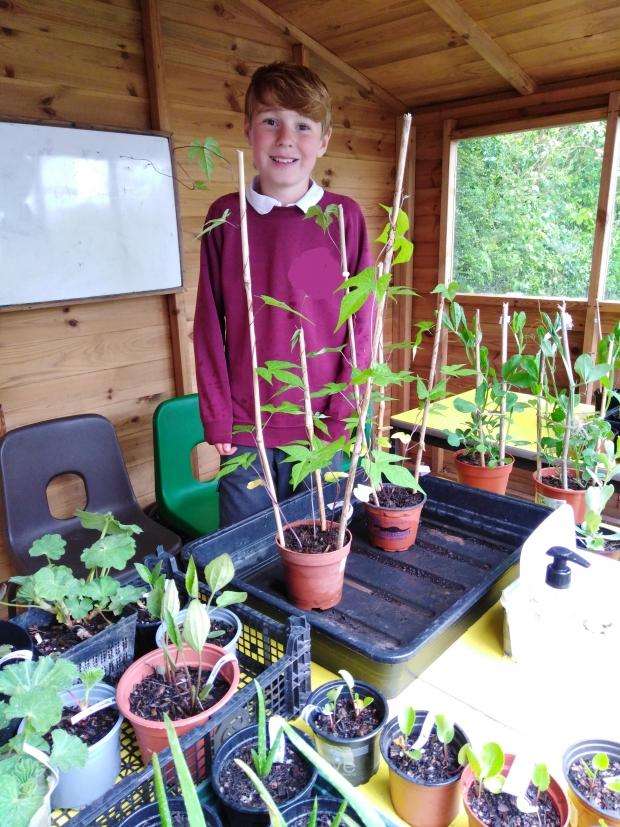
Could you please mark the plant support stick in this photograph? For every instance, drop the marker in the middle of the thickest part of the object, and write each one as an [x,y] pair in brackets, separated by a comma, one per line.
[310,423]
[247,281]
[431,384]
[571,395]
[503,423]
[479,378]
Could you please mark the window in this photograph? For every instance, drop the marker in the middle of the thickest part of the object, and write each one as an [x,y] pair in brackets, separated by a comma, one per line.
[525,211]
[612,290]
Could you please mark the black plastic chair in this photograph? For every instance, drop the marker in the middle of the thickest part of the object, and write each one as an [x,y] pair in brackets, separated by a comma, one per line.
[86,445]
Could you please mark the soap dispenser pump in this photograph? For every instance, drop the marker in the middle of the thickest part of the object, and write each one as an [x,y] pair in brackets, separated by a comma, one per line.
[558,572]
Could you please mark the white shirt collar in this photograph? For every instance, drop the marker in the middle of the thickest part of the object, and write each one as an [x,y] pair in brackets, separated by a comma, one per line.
[265,203]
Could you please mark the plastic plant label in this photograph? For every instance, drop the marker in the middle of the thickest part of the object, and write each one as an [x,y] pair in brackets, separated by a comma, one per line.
[517,782]
[274,725]
[425,732]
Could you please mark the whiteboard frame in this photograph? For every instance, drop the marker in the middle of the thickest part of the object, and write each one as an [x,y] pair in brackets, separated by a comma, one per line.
[9,308]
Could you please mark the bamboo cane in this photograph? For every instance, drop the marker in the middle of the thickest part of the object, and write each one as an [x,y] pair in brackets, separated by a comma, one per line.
[503,422]
[247,282]
[479,377]
[539,414]
[430,386]
[344,267]
[610,354]
[310,423]
[571,387]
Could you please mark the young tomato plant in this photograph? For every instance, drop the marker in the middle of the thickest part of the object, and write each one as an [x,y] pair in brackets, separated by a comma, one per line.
[485,767]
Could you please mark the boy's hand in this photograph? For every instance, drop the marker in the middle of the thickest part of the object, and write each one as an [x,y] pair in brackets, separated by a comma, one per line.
[225,449]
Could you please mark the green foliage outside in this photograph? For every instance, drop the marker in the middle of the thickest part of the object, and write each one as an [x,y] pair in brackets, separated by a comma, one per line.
[525,212]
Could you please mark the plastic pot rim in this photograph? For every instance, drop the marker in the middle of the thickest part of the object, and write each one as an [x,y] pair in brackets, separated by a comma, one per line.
[251,735]
[483,468]
[361,739]
[387,738]
[327,556]
[193,719]
[223,613]
[554,471]
[119,720]
[590,747]
[404,508]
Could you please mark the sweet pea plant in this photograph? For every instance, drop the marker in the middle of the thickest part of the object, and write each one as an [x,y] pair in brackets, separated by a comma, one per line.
[74,601]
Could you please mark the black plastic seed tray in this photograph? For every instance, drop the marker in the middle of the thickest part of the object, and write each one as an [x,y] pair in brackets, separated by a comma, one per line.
[399,610]
[277,654]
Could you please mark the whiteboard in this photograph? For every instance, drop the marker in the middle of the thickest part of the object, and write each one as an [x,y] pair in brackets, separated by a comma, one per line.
[85,213]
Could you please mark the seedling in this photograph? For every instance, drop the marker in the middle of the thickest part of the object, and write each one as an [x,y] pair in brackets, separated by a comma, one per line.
[541,779]
[152,600]
[89,680]
[444,730]
[406,724]
[329,707]
[263,757]
[599,763]
[486,767]
[358,702]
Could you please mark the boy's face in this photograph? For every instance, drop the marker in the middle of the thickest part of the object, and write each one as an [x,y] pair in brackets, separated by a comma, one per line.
[285,146]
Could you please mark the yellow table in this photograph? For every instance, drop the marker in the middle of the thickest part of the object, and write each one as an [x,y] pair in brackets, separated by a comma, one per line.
[495,699]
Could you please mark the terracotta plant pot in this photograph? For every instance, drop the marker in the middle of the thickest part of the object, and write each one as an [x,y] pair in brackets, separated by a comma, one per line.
[494,480]
[556,793]
[151,735]
[314,581]
[394,529]
[419,804]
[553,497]
[587,814]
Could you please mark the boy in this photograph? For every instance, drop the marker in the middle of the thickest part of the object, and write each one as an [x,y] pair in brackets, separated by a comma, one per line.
[288,126]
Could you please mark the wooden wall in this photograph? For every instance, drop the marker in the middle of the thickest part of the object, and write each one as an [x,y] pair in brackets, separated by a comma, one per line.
[83,61]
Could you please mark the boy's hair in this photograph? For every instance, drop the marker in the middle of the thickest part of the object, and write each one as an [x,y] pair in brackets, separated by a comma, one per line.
[290,86]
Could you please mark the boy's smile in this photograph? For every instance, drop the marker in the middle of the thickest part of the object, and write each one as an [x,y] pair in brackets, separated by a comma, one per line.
[285,146]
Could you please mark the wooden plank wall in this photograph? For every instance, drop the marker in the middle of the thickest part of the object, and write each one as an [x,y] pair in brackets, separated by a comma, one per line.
[428,178]
[82,61]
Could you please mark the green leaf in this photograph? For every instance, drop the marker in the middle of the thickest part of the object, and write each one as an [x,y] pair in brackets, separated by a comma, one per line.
[322,218]
[351,302]
[541,778]
[275,817]
[402,221]
[196,625]
[406,720]
[173,631]
[219,572]
[464,405]
[110,552]
[269,300]
[283,407]
[444,729]
[613,784]
[229,598]
[51,546]
[399,475]
[600,761]
[491,759]
[457,370]
[165,817]
[68,751]
[212,223]
[404,250]
[124,596]
[191,579]
[329,389]
[193,807]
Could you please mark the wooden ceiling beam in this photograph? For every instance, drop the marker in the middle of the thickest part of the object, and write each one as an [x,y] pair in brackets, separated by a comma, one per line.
[464,25]
[297,35]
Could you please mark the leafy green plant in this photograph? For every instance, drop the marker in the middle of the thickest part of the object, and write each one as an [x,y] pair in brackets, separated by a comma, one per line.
[406,724]
[598,763]
[264,756]
[541,779]
[89,679]
[597,496]
[358,702]
[486,767]
[74,600]
[156,580]
[33,689]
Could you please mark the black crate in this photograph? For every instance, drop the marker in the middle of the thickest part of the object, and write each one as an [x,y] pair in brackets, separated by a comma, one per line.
[111,649]
[277,654]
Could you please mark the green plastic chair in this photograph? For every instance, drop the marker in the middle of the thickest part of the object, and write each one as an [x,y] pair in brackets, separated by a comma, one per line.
[183,503]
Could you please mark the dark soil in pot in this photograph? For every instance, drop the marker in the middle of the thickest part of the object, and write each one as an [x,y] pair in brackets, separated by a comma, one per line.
[221,626]
[285,781]
[148,816]
[595,791]
[498,810]
[152,697]
[345,723]
[56,637]
[474,459]
[297,814]
[312,539]
[556,482]
[392,496]
[91,729]
[435,766]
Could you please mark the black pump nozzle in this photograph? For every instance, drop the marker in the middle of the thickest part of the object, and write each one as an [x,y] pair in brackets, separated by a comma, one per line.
[558,572]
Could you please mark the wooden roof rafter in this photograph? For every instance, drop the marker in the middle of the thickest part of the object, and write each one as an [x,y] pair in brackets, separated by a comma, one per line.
[452,13]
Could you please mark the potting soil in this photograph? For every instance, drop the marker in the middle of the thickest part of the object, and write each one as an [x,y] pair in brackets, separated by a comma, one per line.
[222,626]
[91,729]
[500,810]
[312,539]
[391,496]
[556,482]
[432,767]
[595,791]
[56,637]
[345,723]
[284,781]
[153,696]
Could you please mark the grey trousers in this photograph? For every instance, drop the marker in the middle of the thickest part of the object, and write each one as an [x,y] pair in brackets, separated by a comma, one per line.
[238,502]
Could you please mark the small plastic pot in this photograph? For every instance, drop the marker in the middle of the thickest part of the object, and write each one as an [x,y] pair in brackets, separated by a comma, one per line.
[151,735]
[314,581]
[224,615]
[296,815]
[148,816]
[357,759]
[235,813]
[494,480]
[553,497]
[81,785]
[43,816]
[422,804]
[20,640]
[145,637]
[588,814]
[555,792]
[394,529]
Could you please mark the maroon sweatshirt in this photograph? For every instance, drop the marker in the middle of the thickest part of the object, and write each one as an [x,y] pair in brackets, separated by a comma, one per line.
[293,260]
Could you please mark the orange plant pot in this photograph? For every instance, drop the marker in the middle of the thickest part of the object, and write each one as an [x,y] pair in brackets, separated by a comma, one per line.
[553,497]
[151,735]
[314,581]
[556,794]
[394,529]
[494,480]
